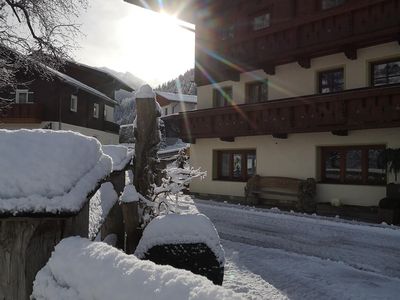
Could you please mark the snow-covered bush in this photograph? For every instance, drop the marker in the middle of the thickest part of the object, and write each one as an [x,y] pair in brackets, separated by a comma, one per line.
[81,269]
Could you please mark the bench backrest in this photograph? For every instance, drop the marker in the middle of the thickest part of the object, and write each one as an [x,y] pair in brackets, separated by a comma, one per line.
[291,185]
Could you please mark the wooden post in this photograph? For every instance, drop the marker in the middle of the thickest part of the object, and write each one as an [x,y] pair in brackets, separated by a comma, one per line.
[133,234]
[147,137]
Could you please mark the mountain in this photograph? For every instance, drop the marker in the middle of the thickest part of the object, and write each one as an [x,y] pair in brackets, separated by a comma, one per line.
[128,78]
[186,81]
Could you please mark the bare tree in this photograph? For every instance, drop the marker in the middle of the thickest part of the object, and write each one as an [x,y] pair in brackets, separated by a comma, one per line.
[35,34]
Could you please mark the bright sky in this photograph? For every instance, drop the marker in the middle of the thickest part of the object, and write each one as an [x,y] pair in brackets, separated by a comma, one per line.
[127,38]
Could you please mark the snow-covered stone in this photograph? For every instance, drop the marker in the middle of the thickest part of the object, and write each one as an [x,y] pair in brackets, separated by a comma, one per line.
[80,269]
[99,207]
[145,92]
[119,154]
[46,171]
[180,229]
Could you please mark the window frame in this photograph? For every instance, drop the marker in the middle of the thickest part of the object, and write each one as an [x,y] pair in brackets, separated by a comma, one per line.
[244,152]
[22,91]
[342,164]
[256,83]
[321,3]
[73,98]
[96,110]
[319,83]
[372,73]
[254,17]
[217,93]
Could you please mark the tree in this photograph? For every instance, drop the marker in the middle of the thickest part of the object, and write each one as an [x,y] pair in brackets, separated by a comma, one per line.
[34,35]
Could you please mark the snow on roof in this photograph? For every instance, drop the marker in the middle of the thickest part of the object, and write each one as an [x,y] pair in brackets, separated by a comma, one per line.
[176,97]
[99,207]
[121,155]
[81,269]
[104,72]
[81,85]
[48,171]
[177,229]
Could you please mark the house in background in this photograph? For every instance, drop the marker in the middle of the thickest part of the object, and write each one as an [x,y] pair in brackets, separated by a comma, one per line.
[294,88]
[79,98]
[172,103]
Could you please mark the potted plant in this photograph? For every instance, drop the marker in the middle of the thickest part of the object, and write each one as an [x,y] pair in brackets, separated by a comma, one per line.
[389,207]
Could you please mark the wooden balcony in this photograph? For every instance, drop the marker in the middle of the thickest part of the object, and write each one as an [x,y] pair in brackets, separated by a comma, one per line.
[349,110]
[344,29]
[111,127]
[22,113]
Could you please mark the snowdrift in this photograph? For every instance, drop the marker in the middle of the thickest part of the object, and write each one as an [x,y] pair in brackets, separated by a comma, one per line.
[80,269]
[45,171]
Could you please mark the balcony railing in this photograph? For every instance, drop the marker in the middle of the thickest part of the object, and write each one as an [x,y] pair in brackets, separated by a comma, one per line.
[350,110]
[111,127]
[21,113]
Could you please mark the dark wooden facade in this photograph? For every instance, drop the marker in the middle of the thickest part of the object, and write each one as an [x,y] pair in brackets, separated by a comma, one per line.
[338,113]
[51,103]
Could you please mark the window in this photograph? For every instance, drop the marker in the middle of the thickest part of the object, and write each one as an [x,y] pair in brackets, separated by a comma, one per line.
[108,113]
[223,97]
[74,103]
[96,110]
[353,165]
[262,21]
[326,4]
[235,165]
[227,33]
[331,81]
[384,73]
[257,92]
[23,96]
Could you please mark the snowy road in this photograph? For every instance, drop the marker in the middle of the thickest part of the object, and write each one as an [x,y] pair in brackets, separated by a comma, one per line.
[283,256]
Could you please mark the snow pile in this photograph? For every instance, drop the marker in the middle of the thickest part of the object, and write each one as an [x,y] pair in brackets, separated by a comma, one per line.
[80,269]
[99,207]
[46,171]
[181,229]
[129,194]
[119,154]
[145,92]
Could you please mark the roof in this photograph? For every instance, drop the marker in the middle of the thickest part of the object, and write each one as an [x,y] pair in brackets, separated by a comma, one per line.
[69,80]
[177,97]
[105,72]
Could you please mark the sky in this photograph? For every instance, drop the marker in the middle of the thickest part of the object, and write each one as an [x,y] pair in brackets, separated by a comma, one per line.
[126,38]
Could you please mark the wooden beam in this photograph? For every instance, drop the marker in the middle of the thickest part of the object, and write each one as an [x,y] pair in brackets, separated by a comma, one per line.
[269,69]
[189,140]
[340,132]
[281,136]
[350,52]
[227,139]
[304,62]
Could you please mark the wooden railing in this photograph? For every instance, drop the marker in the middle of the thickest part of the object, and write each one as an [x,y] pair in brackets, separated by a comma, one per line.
[346,28]
[22,113]
[350,110]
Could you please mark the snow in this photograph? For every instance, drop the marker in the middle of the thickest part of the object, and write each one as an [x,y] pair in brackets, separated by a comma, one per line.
[48,171]
[120,155]
[177,229]
[99,207]
[144,92]
[85,270]
[77,83]
[278,255]
[178,97]
[129,194]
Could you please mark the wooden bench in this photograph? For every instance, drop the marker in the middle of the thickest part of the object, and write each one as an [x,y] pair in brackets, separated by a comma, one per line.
[282,191]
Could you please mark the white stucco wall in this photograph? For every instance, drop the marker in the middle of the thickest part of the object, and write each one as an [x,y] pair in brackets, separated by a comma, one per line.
[105,138]
[177,107]
[291,80]
[295,157]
